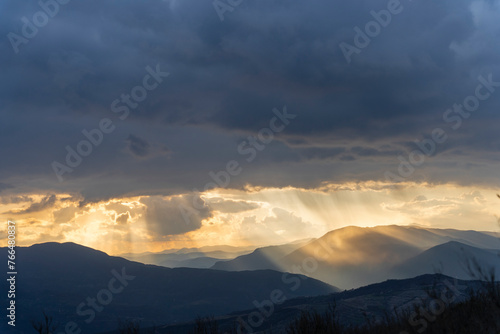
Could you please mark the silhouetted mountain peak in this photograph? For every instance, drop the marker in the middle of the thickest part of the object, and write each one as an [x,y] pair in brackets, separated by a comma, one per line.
[74,273]
[65,247]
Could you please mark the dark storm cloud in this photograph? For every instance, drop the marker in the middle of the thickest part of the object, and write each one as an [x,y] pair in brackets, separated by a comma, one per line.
[65,215]
[321,153]
[46,203]
[225,78]
[15,199]
[4,186]
[122,219]
[175,215]
[140,148]
[137,146]
[230,206]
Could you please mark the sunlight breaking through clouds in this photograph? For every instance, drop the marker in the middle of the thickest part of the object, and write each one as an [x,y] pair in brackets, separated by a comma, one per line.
[254,216]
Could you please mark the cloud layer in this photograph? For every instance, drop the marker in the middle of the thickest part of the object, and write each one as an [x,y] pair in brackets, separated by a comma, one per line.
[353,121]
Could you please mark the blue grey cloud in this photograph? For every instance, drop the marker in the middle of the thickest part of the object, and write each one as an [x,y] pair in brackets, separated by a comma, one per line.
[226,76]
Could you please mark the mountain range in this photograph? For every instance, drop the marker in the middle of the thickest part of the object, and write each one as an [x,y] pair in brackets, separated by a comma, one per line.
[91,290]
[351,257]
[353,307]
[202,257]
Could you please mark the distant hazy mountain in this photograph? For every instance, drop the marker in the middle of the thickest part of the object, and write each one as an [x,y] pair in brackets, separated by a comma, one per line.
[453,259]
[79,284]
[350,257]
[426,238]
[353,307]
[202,262]
[472,238]
[181,257]
[262,258]
[208,249]
[203,250]
[353,256]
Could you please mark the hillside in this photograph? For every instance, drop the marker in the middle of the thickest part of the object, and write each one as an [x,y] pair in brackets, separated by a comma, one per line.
[188,257]
[352,307]
[262,258]
[64,279]
[351,257]
[453,259]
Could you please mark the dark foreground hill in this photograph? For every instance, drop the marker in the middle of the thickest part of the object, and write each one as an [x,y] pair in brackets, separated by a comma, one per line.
[89,290]
[354,308]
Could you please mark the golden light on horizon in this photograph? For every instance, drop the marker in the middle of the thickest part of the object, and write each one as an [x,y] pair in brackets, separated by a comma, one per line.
[257,217]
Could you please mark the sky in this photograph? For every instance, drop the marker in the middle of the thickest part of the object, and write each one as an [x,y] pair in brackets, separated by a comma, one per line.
[133,126]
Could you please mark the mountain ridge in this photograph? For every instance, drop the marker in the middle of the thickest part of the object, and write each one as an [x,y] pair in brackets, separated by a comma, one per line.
[63,276]
[354,256]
